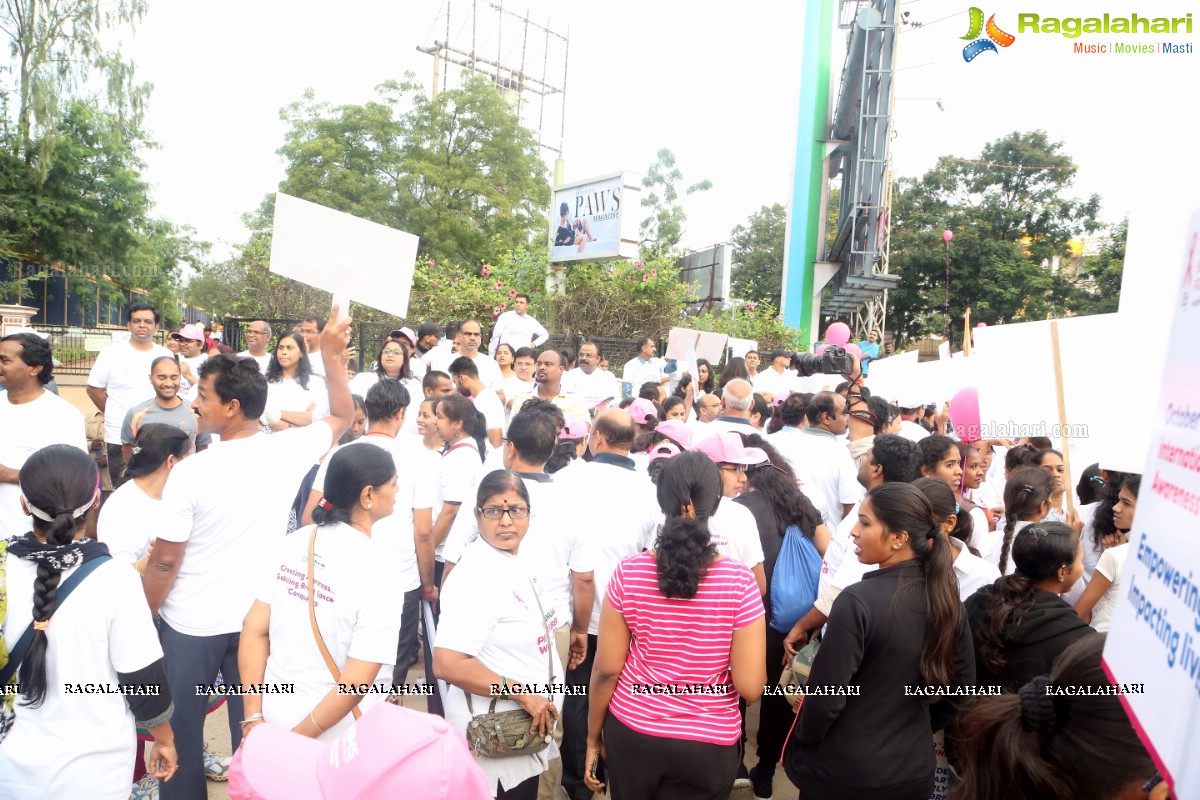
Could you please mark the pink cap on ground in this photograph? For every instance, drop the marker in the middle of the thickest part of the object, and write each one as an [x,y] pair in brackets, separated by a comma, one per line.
[726,448]
[390,752]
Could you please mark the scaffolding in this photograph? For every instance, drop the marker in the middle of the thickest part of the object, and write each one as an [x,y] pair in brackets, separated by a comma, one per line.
[862,132]
[525,56]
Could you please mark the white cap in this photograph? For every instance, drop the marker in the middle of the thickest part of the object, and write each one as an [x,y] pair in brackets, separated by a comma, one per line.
[43,336]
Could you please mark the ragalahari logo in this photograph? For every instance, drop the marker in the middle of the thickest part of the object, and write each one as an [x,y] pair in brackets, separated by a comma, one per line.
[995,36]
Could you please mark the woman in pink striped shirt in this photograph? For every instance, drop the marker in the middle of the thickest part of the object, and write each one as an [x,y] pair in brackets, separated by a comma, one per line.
[682,634]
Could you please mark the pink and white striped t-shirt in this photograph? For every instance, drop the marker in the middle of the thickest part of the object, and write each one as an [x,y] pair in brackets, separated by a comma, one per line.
[676,681]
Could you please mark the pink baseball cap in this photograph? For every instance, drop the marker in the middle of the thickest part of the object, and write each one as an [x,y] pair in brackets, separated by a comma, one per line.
[676,431]
[390,752]
[642,411]
[663,450]
[574,429]
[193,332]
[726,447]
[407,333]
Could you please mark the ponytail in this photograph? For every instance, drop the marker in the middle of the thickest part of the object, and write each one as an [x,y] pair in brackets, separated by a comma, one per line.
[351,470]
[902,507]
[689,490]
[459,409]
[59,484]
[1024,494]
[1032,744]
[154,443]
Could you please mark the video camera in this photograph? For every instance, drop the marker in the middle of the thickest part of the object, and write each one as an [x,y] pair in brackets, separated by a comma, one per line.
[833,361]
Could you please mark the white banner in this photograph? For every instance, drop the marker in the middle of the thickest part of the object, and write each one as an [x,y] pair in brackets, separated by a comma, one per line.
[343,254]
[1154,640]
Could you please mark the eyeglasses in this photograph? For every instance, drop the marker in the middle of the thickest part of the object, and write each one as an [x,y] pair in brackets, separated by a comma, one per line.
[516,512]
[393,352]
[734,468]
[252,332]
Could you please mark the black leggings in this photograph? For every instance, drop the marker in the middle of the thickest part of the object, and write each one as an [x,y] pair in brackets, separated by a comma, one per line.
[644,767]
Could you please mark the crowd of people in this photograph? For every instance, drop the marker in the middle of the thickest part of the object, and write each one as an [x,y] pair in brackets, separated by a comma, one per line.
[600,572]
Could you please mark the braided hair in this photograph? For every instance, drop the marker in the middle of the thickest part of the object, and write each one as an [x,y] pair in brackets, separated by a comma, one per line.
[57,480]
[1024,494]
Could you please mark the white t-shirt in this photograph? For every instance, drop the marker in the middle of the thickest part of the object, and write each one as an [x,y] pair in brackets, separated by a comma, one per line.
[127,521]
[490,612]
[839,544]
[824,462]
[732,530]
[973,572]
[630,519]
[637,372]
[1091,551]
[124,373]
[228,504]
[1111,563]
[517,331]
[289,395]
[263,361]
[489,370]
[361,383]
[316,363]
[488,403]
[591,389]
[777,384]
[458,475]
[78,745]
[355,614]
[912,431]
[415,489]
[24,429]
[187,389]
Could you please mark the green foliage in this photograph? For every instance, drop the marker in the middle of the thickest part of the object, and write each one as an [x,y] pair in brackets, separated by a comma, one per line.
[460,171]
[1008,212]
[752,320]
[663,229]
[1099,278]
[621,298]
[758,255]
[442,292]
[58,48]
[243,286]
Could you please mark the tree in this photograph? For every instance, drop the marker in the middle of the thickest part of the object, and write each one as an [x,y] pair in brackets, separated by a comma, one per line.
[459,171]
[758,255]
[1010,215]
[57,47]
[663,229]
[1099,278]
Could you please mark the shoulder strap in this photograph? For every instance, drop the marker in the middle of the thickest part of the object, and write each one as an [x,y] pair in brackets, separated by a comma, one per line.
[464,443]
[64,591]
[549,654]
[312,617]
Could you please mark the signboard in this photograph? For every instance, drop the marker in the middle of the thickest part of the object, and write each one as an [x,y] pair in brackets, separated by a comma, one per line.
[343,254]
[687,345]
[708,272]
[1155,635]
[595,219]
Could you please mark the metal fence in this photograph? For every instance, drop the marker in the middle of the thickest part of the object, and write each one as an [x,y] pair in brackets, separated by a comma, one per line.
[75,349]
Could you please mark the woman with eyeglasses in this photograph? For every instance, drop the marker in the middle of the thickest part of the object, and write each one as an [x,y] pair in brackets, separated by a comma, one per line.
[679,615]
[492,641]
[1019,623]
[357,623]
[295,396]
[391,364]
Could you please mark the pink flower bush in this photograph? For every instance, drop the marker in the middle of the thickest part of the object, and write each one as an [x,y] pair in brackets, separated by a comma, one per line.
[499,284]
[512,292]
[653,273]
[486,270]
[645,278]
[503,306]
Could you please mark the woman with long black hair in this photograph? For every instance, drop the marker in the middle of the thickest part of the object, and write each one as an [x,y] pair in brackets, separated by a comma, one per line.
[901,626]
[295,395]
[353,616]
[1099,600]
[88,624]
[393,364]
[676,746]
[1019,623]
[461,427]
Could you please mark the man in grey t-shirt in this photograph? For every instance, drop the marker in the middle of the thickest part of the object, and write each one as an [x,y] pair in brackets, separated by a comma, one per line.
[166,407]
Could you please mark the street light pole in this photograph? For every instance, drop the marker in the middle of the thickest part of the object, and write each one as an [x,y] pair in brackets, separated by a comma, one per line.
[947,235]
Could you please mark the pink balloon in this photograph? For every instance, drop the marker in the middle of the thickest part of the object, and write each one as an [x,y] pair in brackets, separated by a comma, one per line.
[947,235]
[838,333]
[852,349]
[964,414]
[821,348]
[981,325]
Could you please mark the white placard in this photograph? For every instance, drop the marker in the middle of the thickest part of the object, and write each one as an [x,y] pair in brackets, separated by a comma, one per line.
[343,254]
[1154,640]
[685,344]
[739,347]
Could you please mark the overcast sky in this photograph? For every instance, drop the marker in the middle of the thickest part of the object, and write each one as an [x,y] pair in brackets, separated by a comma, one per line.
[716,82]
